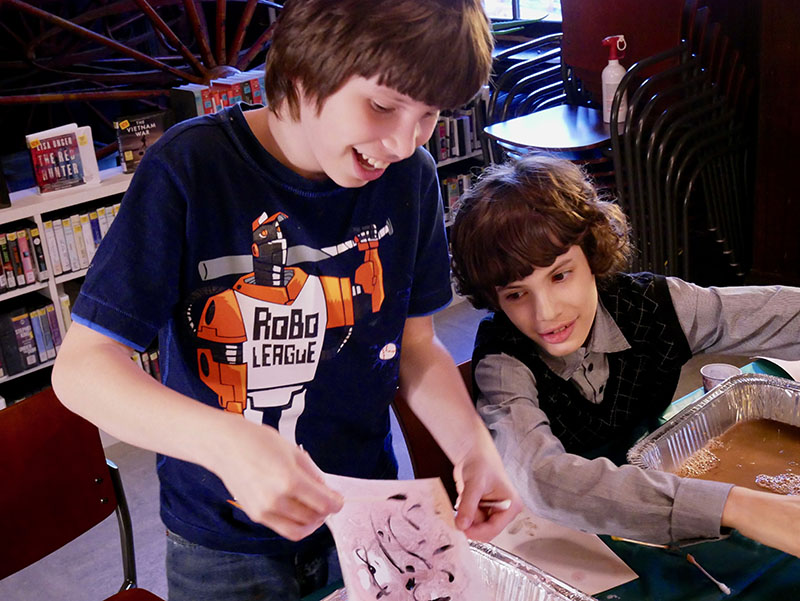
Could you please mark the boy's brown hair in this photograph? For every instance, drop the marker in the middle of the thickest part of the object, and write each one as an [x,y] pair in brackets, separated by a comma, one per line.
[438,52]
[524,214]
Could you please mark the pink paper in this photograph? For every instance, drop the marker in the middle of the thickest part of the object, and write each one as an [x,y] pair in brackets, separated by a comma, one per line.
[396,540]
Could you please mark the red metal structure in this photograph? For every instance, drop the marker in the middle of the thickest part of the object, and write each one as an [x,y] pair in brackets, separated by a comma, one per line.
[105,57]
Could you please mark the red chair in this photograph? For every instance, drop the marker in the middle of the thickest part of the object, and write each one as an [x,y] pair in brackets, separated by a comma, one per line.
[428,460]
[57,484]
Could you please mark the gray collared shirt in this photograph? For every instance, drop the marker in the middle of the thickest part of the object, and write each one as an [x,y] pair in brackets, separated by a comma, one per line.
[595,495]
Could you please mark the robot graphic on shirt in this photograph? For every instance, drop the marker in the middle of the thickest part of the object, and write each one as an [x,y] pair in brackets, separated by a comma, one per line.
[260,341]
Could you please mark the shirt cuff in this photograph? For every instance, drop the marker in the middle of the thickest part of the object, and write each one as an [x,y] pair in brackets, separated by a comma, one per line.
[697,510]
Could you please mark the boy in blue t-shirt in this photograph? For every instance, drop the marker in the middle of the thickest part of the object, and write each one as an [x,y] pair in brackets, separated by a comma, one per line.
[289,259]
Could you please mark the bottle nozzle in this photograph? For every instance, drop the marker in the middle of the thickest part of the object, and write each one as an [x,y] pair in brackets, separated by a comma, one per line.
[616,46]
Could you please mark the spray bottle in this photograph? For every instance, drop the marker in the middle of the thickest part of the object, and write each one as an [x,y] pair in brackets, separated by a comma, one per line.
[612,75]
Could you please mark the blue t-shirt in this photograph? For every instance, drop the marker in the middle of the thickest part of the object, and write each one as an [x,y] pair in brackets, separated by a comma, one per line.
[310,343]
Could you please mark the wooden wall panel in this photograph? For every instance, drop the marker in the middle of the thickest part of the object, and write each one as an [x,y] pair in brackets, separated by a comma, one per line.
[777,219]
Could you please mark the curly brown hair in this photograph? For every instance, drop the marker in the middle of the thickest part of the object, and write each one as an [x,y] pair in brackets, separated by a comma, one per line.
[438,52]
[522,215]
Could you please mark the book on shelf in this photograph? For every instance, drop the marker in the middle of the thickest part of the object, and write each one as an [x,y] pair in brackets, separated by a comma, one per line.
[136,357]
[111,212]
[455,141]
[43,333]
[9,278]
[155,366]
[28,335]
[12,359]
[16,258]
[70,242]
[62,245]
[102,222]
[186,101]
[463,135]
[80,243]
[49,342]
[52,247]
[38,335]
[94,224]
[26,256]
[65,306]
[137,133]
[63,157]
[52,320]
[192,100]
[91,170]
[37,248]
[88,238]
[228,92]
[251,89]
[145,360]
[72,247]
[23,333]
[453,187]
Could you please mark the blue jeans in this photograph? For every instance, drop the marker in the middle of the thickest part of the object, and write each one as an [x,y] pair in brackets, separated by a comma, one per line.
[197,573]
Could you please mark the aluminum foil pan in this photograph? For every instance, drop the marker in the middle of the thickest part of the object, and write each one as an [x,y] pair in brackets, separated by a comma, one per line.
[741,398]
[510,578]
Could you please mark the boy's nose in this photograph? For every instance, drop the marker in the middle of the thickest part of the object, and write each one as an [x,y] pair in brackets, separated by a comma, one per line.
[403,140]
[544,307]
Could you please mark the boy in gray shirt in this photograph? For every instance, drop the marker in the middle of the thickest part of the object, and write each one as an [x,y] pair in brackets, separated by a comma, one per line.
[579,359]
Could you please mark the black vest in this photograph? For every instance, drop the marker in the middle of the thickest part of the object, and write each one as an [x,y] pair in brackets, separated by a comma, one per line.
[642,379]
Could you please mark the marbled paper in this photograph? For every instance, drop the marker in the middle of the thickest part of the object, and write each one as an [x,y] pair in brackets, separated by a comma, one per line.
[397,541]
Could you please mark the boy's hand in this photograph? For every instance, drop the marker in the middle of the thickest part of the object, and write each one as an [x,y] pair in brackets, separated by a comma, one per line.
[480,477]
[273,481]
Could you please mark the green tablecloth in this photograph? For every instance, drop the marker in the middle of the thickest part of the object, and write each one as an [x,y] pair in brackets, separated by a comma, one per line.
[752,571]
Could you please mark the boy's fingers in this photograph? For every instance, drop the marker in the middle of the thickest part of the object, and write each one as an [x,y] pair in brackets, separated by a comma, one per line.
[289,528]
[486,530]
[297,511]
[314,493]
[305,462]
[467,507]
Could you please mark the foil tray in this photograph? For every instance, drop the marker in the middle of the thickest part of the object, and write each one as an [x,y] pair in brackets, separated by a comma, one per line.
[509,578]
[740,398]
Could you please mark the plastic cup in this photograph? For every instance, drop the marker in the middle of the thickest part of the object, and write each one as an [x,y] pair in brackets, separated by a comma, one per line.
[716,373]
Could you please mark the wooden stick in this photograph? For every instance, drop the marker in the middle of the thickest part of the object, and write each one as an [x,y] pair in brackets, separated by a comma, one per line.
[639,542]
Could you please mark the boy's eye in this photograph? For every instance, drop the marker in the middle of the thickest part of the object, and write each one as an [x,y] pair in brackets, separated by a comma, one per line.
[512,296]
[560,277]
[380,108]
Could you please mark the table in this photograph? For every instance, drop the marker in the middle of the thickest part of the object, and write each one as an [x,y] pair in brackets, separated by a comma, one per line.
[563,128]
[753,571]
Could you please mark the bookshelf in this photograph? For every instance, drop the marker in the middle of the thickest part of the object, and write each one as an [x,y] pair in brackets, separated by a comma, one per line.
[458,171]
[28,204]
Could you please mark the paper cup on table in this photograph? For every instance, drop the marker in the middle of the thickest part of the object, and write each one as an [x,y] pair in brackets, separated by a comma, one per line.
[717,373]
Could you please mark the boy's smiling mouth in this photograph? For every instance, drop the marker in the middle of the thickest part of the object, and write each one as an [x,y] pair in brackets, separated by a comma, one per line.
[369,162]
[560,334]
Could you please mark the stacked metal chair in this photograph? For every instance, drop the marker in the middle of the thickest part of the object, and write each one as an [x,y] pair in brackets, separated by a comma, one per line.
[681,154]
[521,86]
